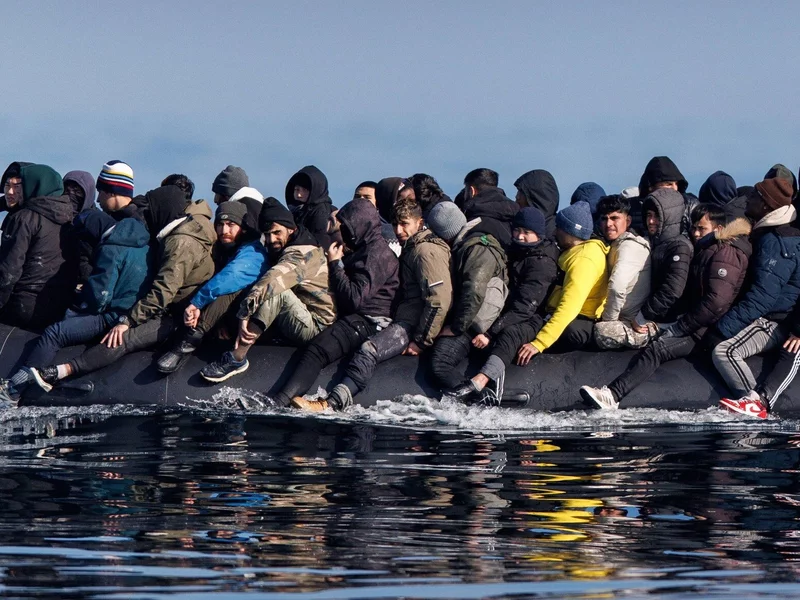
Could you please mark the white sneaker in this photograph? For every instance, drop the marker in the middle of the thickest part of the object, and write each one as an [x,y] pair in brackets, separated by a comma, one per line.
[599,397]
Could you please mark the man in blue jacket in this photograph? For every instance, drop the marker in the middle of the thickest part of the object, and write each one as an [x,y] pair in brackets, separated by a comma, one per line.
[241,260]
[755,323]
[120,276]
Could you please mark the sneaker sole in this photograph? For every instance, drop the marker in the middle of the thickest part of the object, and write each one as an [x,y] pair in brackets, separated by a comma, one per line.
[227,376]
[589,400]
[41,382]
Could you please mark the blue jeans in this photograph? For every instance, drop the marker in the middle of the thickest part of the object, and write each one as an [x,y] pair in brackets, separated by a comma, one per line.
[69,332]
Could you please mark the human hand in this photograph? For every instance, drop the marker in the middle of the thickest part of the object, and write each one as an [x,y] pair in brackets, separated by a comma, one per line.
[335,252]
[481,340]
[792,344]
[412,349]
[115,335]
[245,337]
[191,316]
[525,353]
[642,328]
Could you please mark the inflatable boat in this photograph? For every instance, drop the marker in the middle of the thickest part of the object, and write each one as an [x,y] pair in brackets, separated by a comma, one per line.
[551,381]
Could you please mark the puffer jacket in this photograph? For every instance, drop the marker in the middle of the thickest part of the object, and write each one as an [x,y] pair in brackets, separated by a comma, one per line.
[716,275]
[121,272]
[773,280]
[670,258]
[426,291]
[539,189]
[36,243]
[315,212]
[303,268]
[366,280]
[185,263]
[248,263]
[533,271]
[583,291]
[480,280]
[629,277]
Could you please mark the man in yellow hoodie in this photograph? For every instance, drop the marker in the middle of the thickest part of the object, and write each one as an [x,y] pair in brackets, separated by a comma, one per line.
[578,302]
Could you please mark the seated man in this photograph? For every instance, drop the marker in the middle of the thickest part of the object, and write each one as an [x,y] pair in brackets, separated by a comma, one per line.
[36,279]
[307,197]
[670,255]
[387,192]
[293,294]
[483,199]
[534,268]
[239,259]
[185,236]
[538,189]
[182,181]
[716,275]
[366,190]
[427,192]
[662,173]
[755,324]
[11,187]
[120,276]
[480,288]
[578,302]
[230,180]
[80,187]
[364,283]
[425,296]
[115,192]
[629,279]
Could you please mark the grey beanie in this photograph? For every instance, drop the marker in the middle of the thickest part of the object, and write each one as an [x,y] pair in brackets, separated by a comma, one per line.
[230,181]
[232,211]
[446,220]
[576,220]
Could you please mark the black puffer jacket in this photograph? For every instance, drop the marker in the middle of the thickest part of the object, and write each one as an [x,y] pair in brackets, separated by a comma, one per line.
[659,170]
[367,280]
[35,243]
[314,213]
[496,213]
[539,190]
[716,276]
[533,270]
[670,256]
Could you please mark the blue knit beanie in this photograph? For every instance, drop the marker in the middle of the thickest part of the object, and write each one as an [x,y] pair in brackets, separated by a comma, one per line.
[532,219]
[588,192]
[576,220]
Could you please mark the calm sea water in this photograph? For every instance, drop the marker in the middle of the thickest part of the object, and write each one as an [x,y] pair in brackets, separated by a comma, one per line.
[414,500]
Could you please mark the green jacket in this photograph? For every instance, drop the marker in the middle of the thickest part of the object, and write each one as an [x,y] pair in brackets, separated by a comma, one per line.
[185,264]
[426,287]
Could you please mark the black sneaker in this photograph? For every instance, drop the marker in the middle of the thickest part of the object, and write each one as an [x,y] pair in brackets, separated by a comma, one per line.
[492,394]
[224,368]
[46,377]
[465,392]
[9,394]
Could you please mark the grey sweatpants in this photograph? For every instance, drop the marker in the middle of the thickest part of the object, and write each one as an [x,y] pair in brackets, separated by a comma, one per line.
[729,356]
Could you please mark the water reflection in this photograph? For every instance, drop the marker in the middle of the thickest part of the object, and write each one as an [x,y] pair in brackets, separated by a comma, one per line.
[182,502]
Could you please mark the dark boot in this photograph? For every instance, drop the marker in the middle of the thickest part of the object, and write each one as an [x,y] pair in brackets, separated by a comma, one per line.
[174,359]
[465,393]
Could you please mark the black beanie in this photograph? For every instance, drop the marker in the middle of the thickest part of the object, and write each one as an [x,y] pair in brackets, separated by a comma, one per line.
[235,212]
[230,181]
[273,211]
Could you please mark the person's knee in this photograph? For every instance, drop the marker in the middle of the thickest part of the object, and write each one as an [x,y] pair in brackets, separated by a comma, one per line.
[368,350]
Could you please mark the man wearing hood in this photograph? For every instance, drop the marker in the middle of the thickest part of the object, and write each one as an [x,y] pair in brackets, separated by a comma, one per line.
[485,201]
[387,192]
[240,259]
[670,256]
[629,279]
[425,297]
[185,237]
[120,276]
[538,188]
[307,197]
[79,186]
[230,180]
[756,322]
[480,288]
[36,279]
[662,173]
[11,187]
[364,283]
[717,273]
[533,269]
[720,190]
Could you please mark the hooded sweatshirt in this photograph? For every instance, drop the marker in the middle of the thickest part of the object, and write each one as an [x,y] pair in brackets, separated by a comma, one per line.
[83,248]
[14,167]
[540,191]
[386,193]
[583,292]
[35,245]
[184,261]
[366,280]
[495,212]
[670,257]
[720,190]
[122,268]
[629,277]
[659,170]
[315,212]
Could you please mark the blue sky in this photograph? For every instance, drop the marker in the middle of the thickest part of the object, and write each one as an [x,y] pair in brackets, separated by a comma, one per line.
[365,90]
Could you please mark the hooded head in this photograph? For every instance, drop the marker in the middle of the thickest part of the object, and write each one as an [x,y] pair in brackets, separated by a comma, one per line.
[230,181]
[84,181]
[538,188]
[360,223]
[719,189]
[669,206]
[312,179]
[92,224]
[162,206]
[15,197]
[386,193]
[39,181]
[589,192]
[661,169]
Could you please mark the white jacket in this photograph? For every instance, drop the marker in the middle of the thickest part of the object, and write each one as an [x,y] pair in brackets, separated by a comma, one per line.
[629,283]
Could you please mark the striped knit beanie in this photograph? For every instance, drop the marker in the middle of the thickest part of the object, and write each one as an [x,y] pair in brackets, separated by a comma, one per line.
[116,178]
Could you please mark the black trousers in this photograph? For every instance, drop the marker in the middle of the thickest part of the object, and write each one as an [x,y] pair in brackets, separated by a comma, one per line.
[577,336]
[647,361]
[507,344]
[448,352]
[342,338]
[34,312]
[781,376]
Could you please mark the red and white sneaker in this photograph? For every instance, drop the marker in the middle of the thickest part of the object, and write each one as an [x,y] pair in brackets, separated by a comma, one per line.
[751,405]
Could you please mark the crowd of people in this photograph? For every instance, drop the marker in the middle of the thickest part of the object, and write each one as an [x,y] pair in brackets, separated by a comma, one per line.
[401,269]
